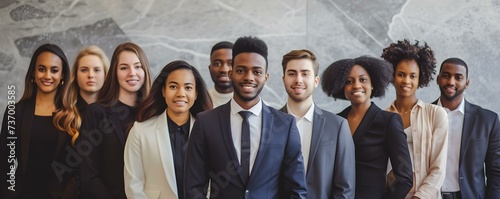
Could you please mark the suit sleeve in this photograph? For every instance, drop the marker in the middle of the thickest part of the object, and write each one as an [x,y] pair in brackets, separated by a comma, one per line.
[94,125]
[293,166]
[492,161]
[133,168]
[195,176]
[399,155]
[344,174]
[431,184]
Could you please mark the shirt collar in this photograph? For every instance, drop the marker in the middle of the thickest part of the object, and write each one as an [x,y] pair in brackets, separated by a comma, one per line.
[419,103]
[460,108]
[308,116]
[236,108]
[172,126]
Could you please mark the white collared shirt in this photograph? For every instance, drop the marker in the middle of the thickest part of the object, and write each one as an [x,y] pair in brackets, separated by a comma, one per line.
[455,125]
[305,126]
[255,121]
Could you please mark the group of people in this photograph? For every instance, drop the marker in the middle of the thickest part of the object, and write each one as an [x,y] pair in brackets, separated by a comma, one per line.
[108,130]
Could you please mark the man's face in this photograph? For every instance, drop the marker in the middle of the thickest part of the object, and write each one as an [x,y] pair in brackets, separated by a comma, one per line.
[248,77]
[220,65]
[299,79]
[452,81]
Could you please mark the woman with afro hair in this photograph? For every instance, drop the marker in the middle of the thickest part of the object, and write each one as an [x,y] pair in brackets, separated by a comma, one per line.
[378,135]
[425,125]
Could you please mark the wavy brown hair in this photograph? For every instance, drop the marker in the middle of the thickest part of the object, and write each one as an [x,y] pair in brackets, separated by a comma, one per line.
[69,118]
[111,87]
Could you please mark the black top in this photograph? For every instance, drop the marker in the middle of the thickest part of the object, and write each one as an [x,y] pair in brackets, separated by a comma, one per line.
[42,149]
[178,140]
[81,105]
[104,129]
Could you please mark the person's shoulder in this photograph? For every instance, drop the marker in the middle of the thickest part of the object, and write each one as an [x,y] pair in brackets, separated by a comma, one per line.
[278,113]
[330,115]
[434,109]
[483,112]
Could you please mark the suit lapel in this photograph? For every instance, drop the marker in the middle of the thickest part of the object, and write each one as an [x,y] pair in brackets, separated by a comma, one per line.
[225,122]
[470,117]
[267,128]
[317,133]
[165,150]
[114,116]
[366,122]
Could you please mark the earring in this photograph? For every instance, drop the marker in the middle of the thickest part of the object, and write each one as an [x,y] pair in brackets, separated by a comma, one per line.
[32,80]
[62,83]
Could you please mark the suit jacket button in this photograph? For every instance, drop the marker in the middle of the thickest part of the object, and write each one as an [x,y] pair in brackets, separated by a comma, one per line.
[247,192]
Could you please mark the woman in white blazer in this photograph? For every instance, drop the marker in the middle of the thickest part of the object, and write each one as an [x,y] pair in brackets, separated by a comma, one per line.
[155,149]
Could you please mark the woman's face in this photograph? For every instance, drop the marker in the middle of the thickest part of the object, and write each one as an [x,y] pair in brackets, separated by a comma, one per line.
[130,73]
[358,87]
[90,74]
[179,91]
[48,72]
[406,78]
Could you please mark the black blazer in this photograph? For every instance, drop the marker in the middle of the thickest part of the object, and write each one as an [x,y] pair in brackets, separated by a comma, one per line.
[64,182]
[278,171]
[103,132]
[480,149]
[380,136]
[331,167]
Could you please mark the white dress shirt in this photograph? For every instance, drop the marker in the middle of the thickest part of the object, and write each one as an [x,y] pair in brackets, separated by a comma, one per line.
[219,98]
[305,126]
[255,121]
[455,125]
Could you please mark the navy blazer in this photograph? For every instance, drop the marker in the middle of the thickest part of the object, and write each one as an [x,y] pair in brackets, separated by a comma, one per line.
[278,171]
[479,149]
[64,181]
[103,135]
[380,136]
[331,167]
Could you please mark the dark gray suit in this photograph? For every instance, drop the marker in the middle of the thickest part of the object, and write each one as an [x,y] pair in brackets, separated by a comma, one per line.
[331,167]
[480,149]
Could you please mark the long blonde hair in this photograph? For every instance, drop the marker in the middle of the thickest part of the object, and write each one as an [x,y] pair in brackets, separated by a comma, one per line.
[68,118]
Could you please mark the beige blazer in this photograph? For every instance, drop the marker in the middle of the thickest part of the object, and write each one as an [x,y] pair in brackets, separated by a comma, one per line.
[429,125]
[149,167]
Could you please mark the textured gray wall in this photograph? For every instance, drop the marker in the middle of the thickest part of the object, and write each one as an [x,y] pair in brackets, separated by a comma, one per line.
[187,29]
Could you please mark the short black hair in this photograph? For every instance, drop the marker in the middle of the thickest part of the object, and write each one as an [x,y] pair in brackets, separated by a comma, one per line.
[458,61]
[335,76]
[249,44]
[221,45]
[423,55]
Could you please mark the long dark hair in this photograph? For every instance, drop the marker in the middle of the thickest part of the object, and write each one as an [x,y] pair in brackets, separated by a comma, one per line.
[30,86]
[154,105]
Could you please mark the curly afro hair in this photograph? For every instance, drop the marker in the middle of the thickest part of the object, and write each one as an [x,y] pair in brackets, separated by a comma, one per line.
[423,55]
[334,77]
[249,44]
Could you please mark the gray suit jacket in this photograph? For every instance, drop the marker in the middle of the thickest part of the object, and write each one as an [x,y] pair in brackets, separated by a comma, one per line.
[479,149]
[331,167]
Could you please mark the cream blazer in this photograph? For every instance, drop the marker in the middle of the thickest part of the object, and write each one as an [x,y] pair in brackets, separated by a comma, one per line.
[149,164]
[429,124]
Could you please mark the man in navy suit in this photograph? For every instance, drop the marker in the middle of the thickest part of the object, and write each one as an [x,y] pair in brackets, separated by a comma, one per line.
[244,147]
[474,137]
[327,145]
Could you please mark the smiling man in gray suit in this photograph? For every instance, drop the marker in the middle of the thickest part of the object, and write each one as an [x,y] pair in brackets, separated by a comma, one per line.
[327,145]
[473,164]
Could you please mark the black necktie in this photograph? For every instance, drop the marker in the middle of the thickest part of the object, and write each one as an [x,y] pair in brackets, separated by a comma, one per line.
[245,145]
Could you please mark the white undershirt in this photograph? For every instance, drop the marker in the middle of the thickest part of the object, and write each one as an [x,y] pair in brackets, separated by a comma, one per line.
[219,98]
[305,126]
[455,125]
[255,121]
